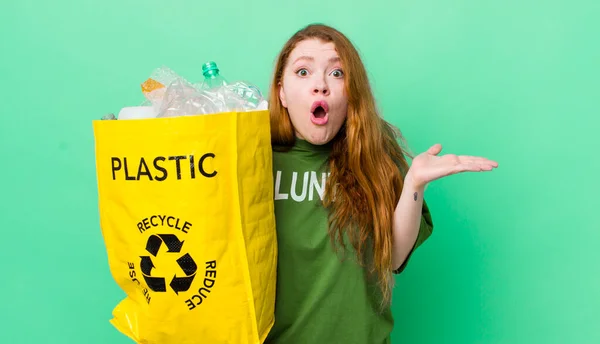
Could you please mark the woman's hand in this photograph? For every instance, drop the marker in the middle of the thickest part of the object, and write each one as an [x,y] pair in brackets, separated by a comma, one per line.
[428,166]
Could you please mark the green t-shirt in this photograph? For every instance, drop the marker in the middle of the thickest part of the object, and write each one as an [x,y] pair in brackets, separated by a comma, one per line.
[322,296]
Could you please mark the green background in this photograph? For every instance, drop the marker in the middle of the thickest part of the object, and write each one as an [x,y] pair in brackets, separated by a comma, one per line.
[514,255]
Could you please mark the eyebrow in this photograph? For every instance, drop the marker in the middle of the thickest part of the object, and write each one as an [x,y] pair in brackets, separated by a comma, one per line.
[310,58]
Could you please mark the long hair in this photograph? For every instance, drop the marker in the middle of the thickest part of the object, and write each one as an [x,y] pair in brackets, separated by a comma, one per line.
[366,163]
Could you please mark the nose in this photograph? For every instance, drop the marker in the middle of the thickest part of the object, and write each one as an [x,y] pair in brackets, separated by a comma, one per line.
[321,88]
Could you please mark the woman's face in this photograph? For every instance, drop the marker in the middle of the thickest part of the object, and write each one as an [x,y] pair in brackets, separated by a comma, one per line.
[312,90]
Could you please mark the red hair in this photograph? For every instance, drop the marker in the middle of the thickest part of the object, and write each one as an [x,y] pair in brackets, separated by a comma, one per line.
[366,163]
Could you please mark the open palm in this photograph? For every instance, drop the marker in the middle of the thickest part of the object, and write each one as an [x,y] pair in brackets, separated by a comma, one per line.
[429,166]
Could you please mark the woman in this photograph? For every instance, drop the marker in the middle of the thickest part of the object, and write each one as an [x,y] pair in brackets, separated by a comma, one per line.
[349,210]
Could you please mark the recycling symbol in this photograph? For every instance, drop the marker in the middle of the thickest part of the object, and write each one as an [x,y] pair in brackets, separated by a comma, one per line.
[185,262]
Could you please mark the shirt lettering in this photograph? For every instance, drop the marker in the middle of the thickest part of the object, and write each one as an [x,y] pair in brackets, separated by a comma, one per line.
[302,185]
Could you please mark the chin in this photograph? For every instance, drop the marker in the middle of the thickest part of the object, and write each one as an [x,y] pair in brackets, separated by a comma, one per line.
[318,142]
[319,137]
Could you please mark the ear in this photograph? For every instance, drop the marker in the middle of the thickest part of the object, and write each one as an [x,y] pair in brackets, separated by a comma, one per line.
[282,95]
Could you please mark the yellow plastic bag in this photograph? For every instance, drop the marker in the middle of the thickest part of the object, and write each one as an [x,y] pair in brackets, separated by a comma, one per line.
[186,212]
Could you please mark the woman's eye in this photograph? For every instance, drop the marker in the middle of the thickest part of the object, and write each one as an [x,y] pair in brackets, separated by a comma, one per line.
[337,73]
[302,72]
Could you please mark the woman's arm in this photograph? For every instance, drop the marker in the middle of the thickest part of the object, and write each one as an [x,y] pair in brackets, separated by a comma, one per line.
[408,216]
[407,221]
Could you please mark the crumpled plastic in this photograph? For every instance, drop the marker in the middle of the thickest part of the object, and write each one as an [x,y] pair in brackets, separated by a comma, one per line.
[172,95]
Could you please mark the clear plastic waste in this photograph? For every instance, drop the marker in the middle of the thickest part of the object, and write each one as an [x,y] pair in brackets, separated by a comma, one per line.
[137,112]
[109,116]
[155,86]
[253,98]
[182,99]
[171,95]
[212,77]
[240,94]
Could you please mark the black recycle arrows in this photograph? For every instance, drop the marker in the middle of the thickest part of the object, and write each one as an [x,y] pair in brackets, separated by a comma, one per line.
[189,267]
[185,262]
[154,283]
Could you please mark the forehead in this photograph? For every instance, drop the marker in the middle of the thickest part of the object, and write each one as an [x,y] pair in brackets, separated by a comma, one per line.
[313,48]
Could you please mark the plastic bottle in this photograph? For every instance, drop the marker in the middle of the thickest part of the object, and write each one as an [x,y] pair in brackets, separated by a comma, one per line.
[248,92]
[236,96]
[212,78]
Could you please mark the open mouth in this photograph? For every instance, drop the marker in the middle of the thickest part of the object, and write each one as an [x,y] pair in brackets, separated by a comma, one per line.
[319,112]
